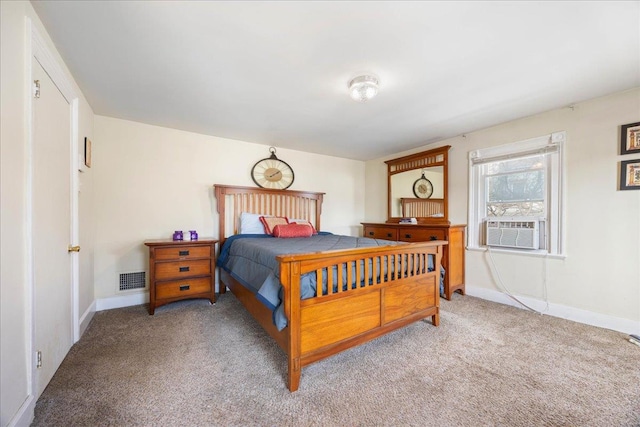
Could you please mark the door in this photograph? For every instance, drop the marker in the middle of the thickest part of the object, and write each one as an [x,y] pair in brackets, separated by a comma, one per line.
[51,231]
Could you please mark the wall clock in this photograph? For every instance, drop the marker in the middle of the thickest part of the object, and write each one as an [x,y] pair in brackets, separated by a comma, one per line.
[422,188]
[272,172]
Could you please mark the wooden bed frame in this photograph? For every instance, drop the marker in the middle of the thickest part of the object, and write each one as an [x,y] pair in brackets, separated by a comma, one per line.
[412,207]
[324,325]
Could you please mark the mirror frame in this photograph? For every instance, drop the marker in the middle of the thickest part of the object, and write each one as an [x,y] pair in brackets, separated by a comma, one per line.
[425,159]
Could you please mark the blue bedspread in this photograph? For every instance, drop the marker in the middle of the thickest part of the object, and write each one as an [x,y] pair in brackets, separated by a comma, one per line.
[250,259]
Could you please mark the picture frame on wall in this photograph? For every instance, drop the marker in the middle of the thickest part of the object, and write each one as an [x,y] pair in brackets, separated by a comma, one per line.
[630,138]
[87,152]
[630,174]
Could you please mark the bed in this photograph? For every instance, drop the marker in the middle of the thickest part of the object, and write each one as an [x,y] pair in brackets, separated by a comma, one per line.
[365,292]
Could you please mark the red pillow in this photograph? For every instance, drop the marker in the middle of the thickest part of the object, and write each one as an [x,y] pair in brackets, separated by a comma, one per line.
[303,221]
[270,222]
[292,230]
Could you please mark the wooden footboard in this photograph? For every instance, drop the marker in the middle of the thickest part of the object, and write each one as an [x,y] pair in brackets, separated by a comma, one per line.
[397,290]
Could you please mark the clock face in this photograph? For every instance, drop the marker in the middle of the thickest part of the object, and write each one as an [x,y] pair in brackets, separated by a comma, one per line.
[272,173]
[422,188]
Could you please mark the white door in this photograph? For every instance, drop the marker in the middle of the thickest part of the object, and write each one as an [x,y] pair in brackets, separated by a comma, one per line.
[51,232]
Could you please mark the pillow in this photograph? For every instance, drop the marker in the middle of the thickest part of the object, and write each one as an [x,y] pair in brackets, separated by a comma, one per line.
[292,230]
[251,224]
[303,221]
[271,221]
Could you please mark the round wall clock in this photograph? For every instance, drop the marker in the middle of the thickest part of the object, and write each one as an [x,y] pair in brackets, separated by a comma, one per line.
[272,172]
[422,188]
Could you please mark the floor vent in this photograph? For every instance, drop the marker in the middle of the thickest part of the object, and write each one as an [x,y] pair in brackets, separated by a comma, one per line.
[129,281]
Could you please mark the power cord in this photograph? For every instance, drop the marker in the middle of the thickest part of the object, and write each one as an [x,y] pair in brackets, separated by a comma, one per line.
[504,287]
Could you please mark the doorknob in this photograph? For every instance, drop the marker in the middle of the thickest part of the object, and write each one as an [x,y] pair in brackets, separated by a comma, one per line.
[74,248]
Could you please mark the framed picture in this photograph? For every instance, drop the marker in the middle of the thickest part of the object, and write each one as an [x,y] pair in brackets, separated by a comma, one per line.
[630,138]
[630,175]
[87,152]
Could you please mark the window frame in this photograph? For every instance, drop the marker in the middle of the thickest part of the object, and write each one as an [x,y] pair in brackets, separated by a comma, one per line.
[552,146]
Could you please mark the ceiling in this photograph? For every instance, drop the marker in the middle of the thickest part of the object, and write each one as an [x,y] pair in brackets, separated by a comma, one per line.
[276,73]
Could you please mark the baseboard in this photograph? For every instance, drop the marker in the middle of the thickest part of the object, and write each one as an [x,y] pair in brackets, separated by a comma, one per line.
[86,317]
[557,310]
[122,301]
[25,415]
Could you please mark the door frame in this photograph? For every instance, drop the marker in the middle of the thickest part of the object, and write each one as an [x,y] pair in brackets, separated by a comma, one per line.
[36,47]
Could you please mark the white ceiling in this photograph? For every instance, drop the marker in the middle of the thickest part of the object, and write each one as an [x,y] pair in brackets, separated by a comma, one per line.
[276,73]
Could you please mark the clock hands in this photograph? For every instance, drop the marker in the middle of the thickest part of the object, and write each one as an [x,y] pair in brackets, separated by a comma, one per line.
[273,174]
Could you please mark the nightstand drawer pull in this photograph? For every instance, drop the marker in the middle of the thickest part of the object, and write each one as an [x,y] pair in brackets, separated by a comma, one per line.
[433,237]
[183,269]
[183,253]
[407,236]
[371,233]
[389,235]
[184,287]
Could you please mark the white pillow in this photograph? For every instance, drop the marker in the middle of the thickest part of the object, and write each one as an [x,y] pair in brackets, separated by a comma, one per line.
[251,224]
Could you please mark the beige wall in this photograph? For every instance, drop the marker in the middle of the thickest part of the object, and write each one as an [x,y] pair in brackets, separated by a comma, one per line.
[600,277]
[16,402]
[150,181]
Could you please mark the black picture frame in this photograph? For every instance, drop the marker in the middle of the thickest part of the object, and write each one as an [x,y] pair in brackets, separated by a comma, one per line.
[630,138]
[630,174]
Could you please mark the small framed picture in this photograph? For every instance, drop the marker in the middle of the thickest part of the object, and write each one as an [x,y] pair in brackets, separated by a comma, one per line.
[87,152]
[630,138]
[630,175]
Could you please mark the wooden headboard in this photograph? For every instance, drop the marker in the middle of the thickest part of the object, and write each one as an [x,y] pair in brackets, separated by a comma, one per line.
[421,207]
[233,200]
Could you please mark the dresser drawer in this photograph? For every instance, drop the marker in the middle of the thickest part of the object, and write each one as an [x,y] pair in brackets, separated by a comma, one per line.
[383,233]
[421,235]
[183,288]
[179,269]
[162,254]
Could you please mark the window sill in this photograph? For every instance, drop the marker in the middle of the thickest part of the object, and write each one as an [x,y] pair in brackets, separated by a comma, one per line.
[533,253]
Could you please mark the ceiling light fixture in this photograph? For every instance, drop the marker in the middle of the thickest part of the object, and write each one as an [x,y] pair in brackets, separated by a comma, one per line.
[363,88]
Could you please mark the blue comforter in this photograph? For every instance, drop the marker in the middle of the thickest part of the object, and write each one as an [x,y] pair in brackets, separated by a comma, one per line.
[250,259]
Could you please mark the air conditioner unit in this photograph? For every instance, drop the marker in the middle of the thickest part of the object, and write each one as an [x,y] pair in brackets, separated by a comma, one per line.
[513,233]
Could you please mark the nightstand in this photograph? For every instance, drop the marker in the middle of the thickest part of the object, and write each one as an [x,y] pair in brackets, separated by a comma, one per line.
[181,270]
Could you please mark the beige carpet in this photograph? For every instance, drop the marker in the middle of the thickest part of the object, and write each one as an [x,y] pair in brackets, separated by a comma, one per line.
[193,364]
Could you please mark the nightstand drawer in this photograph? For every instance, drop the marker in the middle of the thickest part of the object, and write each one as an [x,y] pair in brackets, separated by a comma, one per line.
[180,269]
[421,235]
[183,253]
[183,288]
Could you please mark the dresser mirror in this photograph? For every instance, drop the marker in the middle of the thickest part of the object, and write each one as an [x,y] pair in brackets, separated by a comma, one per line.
[417,187]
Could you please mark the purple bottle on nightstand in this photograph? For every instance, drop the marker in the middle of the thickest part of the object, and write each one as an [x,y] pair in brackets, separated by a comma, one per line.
[177,235]
[194,235]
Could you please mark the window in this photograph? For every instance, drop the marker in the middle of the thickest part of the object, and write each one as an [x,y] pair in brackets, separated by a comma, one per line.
[516,191]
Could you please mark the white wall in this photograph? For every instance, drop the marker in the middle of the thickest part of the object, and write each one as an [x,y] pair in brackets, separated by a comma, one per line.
[16,400]
[150,181]
[599,281]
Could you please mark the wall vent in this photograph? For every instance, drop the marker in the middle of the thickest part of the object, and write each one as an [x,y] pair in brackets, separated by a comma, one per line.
[130,281]
[521,234]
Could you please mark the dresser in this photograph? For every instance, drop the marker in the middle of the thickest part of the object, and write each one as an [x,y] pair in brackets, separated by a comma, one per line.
[453,253]
[180,270]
